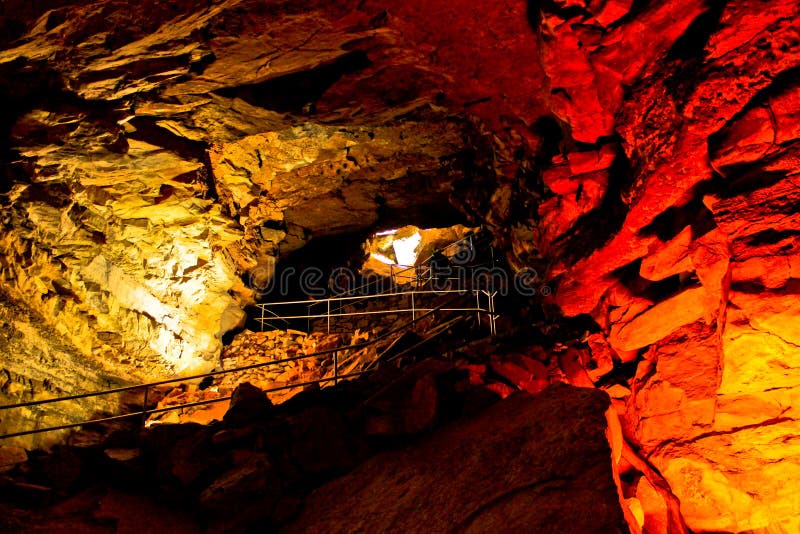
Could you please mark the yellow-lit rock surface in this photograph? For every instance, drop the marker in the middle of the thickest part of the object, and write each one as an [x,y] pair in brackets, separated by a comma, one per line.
[129,263]
[173,160]
[716,414]
[312,180]
[38,363]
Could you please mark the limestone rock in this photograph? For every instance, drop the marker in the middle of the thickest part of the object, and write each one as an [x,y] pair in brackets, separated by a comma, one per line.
[318,180]
[132,223]
[407,406]
[510,467]
[248,403]
[253,480]
[10,456]
[726,405]
[159,158]
[39,363]
[659,321]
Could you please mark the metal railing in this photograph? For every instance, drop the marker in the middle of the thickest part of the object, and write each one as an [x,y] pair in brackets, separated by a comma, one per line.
[145,388]
[417,276]
[264,319]
[421,275]
[332,313]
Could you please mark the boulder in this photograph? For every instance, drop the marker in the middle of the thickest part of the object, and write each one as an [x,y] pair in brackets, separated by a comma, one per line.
[659,321]
[255,480]
[517,466]
[407,405]
[248,405]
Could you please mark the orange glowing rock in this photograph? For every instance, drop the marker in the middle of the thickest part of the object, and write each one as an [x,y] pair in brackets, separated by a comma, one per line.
[659,321]
[653,508]
[669,258]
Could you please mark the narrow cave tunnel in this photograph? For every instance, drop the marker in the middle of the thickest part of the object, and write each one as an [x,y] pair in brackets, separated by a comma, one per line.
[541,256]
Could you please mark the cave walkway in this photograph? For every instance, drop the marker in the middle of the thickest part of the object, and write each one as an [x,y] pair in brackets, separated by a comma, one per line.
[427,291]
[457,270]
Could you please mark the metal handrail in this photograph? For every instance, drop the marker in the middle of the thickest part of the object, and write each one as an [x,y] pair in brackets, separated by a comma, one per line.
[148,385]
[265,305]
[378,295]
[389,293]
[436,332]
[263,320]
[393,277]
[332,313]
[145,412]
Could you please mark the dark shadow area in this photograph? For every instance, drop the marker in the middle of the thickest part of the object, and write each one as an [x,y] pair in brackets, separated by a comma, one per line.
[657,291]
[691,44]
[771,237]
[685,60]
[549,129]
[19,15]
[672,221]
[536,7]
[147,130]
[432,210]
[307,273]
[23,85]
[594,229]
[750,178]
[292,92]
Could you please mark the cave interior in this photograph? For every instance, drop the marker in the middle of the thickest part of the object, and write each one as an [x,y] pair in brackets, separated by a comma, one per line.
[612,186]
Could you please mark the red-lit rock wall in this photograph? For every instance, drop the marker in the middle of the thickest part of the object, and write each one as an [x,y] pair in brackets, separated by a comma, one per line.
[672,220]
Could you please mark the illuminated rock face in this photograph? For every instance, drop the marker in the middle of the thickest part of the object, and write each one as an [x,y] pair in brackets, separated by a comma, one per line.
[155,168]
[285,187]
[685,252]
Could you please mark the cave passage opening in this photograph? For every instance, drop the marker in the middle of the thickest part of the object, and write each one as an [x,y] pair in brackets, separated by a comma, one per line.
[360,264]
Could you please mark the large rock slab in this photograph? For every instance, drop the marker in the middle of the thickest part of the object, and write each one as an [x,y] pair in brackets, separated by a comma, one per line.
[521,465]
[716,415]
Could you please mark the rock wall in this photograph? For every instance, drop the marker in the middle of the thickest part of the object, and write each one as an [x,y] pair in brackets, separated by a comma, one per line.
[516,466]
[670,216]
[37,364]
[155,173]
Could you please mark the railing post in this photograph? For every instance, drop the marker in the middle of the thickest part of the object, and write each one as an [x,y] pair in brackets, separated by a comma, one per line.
[263,309]
[413,310]
[335,367]
[144,406]
[478,307]
[329,316]
[492,318]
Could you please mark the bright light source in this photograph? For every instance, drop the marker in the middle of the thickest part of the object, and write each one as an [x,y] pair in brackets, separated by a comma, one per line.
[386,232]
[381,258]
[405,249]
